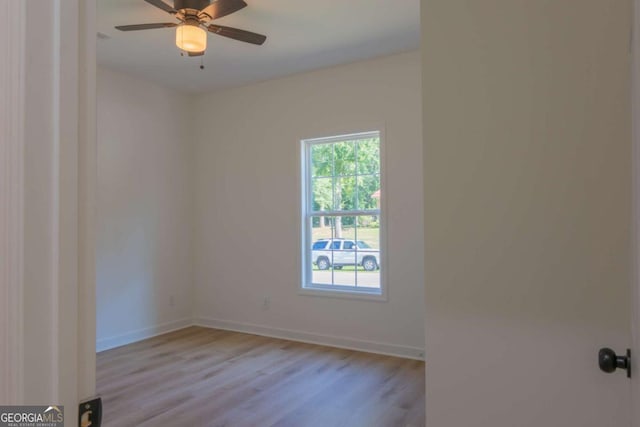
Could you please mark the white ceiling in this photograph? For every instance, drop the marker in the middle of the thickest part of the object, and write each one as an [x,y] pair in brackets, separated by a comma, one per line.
[302,35]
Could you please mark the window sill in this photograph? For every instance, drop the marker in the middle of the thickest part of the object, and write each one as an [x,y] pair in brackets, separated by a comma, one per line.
[346,294]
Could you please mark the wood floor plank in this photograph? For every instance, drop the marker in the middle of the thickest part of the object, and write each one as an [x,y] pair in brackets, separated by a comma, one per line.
[201,377]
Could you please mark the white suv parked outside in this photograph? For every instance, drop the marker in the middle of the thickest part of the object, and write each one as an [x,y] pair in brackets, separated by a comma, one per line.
[341,252]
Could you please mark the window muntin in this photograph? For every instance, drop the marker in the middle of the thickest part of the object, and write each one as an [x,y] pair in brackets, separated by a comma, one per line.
[341,206]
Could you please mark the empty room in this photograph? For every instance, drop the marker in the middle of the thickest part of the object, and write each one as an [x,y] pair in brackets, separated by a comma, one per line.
[319,214]
[259,214]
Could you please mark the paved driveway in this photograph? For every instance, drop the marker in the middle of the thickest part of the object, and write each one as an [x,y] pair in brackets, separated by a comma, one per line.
[369,279]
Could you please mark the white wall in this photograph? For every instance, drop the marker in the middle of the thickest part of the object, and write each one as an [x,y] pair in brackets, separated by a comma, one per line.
[527,211]
[144,197]
[247,202]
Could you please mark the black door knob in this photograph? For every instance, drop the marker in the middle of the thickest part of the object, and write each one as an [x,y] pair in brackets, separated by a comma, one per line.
[609,361]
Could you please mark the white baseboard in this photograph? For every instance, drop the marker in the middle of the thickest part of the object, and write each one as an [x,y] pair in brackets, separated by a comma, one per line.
[141,334]
[311,338]
[288,334]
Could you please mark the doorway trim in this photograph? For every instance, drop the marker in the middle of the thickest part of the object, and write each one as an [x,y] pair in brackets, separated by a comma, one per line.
[87,181]
[12,31]
[48,358]
[634,49]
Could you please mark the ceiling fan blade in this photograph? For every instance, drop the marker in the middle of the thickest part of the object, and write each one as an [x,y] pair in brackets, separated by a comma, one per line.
[220,8]
[162,5]
[145,26]
[237,34]
[196,53]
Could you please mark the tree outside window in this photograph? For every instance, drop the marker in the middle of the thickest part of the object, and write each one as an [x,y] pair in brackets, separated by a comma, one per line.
[341,213]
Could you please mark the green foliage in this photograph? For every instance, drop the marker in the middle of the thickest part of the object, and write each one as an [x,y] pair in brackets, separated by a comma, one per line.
[345,175]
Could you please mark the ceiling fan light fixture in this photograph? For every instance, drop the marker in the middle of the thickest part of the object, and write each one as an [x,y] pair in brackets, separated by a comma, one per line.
[191,38]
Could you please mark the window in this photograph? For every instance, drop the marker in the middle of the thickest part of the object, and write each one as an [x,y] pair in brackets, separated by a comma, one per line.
[341,214]
[320,244]
[363,245]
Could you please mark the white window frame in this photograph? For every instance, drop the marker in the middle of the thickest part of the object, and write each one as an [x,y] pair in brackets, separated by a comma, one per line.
[306,286]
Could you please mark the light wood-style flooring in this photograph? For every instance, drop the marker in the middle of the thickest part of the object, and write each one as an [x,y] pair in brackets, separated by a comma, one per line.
[200,377]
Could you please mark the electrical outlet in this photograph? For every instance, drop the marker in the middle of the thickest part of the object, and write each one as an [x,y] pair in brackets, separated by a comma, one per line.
[90,413]
[266,303]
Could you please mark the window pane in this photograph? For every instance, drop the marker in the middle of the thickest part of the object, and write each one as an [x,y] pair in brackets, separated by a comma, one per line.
[345,193]
[369,156]
[346,227]
[368,192]
[344,158]
[322,160]
[368,231]
[344,276]
[322,194]
[368,252]
[321,260]
[322,231]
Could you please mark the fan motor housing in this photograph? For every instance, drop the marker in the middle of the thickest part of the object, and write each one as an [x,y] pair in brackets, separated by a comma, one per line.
[191,4]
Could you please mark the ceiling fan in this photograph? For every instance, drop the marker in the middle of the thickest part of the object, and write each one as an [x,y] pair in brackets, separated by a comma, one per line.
[195,17]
